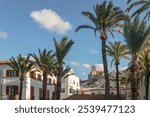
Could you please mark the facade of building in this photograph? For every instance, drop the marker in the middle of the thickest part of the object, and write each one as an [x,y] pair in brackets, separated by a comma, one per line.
[93,91]
[32,84]
[95,84]
[95,73]
[70,86]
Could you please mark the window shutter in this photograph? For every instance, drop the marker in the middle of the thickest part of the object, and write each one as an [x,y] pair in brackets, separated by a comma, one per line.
[40,93]
[7,90]
[39,77]
[17,73]
[32,91]
[7,73]
[47,94]
[34,75]
[16,90]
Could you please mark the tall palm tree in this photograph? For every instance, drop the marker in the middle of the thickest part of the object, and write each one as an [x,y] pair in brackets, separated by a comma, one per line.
[22,65]
[105,20]
[142,5]
[117,51]
[145,62]
[62,48]
[45,61]
[136,35]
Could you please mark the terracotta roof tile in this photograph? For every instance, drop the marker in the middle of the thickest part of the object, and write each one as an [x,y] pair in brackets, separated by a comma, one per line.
[92,97]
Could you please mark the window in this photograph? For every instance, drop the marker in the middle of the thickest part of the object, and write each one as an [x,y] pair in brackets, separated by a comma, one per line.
[11,90]
[1,73]
[47,95]
[74,82]
[72,91]
[62,90]
[49,81]
[12,73]
[130,94]
[39,77]
[112,92]
[40,93]
[32,93]
[33,75]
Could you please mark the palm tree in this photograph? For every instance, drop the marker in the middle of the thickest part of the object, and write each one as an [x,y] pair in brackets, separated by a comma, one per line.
[105,20]
[117,51]
[45,61]
[145,62]
[62,48]
[142,5]
[136,35]
[22,65]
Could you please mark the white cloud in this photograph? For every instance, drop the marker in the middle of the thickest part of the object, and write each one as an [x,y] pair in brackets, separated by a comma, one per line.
[86,66]
[3,35]
[93,51]
[77,64]
[74,63]
[50,20]
[99,67]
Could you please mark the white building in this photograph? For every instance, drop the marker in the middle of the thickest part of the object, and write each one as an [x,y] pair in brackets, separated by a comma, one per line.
[32,86]
[70,86]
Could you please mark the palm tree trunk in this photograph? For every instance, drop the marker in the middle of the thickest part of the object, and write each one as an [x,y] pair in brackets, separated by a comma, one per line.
[117,79]
[133,69]
[21,88]
[147,85]
[107,90]
[44,85]
[58,88]
[133,87]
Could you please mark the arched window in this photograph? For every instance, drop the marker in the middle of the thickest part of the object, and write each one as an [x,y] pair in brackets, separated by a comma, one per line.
[33,75]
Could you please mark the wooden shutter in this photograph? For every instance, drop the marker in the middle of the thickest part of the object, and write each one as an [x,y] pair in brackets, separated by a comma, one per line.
[16,90]
[32,97]
[47,94]
[32,91]
[7,90]
[34,75]
[17,73]
[7,73]
[53,95]
[40,93]
[39,77]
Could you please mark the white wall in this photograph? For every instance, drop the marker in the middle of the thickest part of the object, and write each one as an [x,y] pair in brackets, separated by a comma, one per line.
[71,81]
[28,82]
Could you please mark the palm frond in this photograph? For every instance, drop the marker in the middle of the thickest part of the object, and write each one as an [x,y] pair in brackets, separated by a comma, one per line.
[84,26]
[117,51]
[105,19]
[142,7]
[136,35]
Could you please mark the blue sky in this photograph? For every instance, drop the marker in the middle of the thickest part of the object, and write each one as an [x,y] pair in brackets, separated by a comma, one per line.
[24,27]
